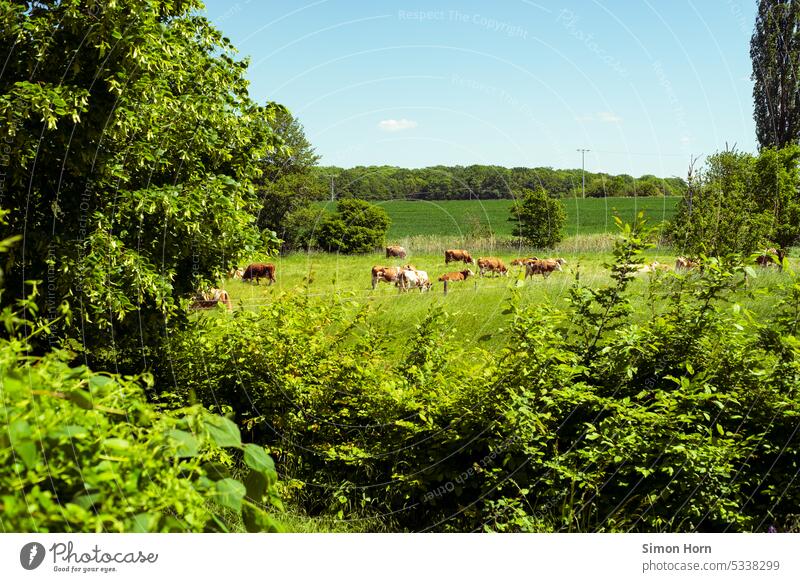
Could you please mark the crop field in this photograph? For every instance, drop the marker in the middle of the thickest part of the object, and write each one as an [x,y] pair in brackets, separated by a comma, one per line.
[478,218]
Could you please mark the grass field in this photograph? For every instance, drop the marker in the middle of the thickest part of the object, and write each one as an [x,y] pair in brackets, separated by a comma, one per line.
[476,218]
[476,306]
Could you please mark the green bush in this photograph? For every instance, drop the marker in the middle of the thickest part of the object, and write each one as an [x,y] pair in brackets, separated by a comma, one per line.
[86,452]
[540,219]
[356,227]
[593,418]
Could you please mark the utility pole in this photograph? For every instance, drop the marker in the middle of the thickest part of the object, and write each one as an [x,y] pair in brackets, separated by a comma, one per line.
[583,171]
[333,196]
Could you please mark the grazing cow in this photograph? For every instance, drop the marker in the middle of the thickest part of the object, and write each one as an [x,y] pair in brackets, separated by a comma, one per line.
[543,267]
[455,255]
[685,264]
[395,251]
[522,262]
[210,298]
[387,274]
[771,258]
[410,278]
[492,264]
[651,268]
[257,271]
[448,278]
[235,273]
[457,276]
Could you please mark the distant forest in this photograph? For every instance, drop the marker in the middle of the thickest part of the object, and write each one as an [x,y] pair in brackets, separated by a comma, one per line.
[481,182]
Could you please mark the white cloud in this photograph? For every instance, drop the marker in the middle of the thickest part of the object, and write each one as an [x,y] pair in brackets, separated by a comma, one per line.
[396,124]
[602,116]
[609,117]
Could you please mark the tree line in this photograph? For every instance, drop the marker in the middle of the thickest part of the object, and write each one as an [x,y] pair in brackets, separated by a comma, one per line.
[482,182]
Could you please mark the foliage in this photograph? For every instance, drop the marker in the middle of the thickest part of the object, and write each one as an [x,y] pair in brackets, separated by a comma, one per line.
[151,145]
[591,417]
[777,193]
[301,228]
[775,53]
[485,183]
[540,219]
[286,185]
[720,213]
[356,227]
[85,452]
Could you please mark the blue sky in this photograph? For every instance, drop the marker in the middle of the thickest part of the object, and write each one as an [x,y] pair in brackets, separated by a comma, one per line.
[643,84]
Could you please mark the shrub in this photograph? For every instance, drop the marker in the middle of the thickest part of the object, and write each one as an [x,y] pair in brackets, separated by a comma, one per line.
[592,418]
[85,452]
[356,227]
[539,217]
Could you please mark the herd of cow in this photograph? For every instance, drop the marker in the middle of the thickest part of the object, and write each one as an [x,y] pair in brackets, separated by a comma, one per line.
[409,277]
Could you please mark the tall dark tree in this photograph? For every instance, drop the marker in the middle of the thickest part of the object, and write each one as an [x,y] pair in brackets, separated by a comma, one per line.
[775,52]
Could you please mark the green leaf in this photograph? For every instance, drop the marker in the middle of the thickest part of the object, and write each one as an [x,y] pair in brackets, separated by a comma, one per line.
[258,520]
[229,493]
[216,471]
[28,452]
[224,432]
[144,522]
[256,484]
[257,458]
[116,444]
[80,398]
[185,443]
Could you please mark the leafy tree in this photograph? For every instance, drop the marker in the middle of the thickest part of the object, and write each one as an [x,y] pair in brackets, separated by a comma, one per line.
[540,218]
[134,145]
[296,154]
[287,184]
[775,53]
[356,227]
[301,228]
[741,203]
[777,193]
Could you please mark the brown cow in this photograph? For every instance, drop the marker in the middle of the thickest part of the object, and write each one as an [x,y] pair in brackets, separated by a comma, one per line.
[770,258]
[210,298]
[457,275]
[522,262]
[543,267]
[685,264]
[455,255]
[492,264]
[395,251]
[257,271]
[387,274]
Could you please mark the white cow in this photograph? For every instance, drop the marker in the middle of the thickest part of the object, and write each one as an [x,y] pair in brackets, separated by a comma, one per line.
[410,278]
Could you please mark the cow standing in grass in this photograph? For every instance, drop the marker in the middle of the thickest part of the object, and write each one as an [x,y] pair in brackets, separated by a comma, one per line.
[456,255]
[492,265]
[543,267]
[771,258]
[387,274]
[448,278]
[523,261]
[411,278]
[685,264]
[259,271]
[395,251]
[211,298]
